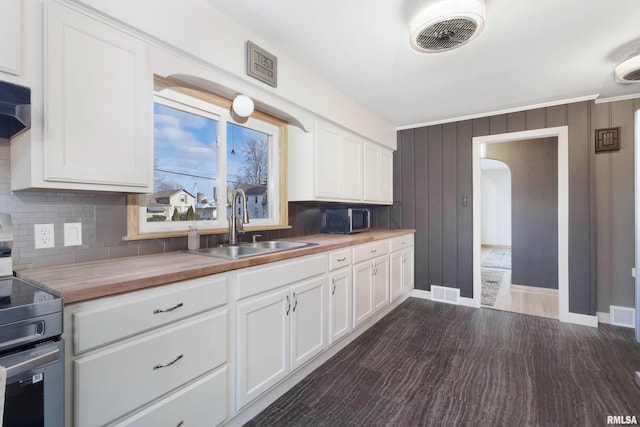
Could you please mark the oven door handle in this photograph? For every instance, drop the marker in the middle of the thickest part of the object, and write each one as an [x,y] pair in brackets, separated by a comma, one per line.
[32,363]
[38,331]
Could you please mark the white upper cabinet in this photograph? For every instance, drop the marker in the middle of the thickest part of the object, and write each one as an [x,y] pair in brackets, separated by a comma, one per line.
[10,34]
[98,103]
[331,165]
[378,174]
[97,110]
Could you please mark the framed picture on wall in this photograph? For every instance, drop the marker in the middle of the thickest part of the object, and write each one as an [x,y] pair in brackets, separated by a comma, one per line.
[607,139]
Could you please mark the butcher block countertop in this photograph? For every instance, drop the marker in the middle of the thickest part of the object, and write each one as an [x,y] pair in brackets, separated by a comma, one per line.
[90,280]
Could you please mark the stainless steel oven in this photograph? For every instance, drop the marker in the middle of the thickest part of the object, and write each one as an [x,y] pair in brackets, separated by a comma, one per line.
[31,350]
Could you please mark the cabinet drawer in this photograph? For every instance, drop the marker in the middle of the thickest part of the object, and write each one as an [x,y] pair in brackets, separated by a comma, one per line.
[113,382]
[339,259]
[201,403]
[260,279]
[370,250]
[129,314]
[401,242]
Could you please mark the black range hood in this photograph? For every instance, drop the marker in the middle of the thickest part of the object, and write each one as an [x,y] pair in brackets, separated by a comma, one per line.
[15,109]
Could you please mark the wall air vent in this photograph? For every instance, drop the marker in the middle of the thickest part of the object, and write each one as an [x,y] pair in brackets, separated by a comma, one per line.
[445,294]
[628,71]
[446,25]
[622,316]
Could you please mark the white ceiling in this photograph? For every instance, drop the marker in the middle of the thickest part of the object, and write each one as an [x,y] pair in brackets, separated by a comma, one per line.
[531,53]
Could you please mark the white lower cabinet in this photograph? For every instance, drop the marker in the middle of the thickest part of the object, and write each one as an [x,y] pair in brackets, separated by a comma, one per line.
[401,265]
[340,292]
[263,344]
[152,354]
[370,280]
[131,374]
[339,304]
[280,330]
[202,403]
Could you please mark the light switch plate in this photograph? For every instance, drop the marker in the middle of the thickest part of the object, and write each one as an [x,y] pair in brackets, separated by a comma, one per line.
[72,234]
[44,236]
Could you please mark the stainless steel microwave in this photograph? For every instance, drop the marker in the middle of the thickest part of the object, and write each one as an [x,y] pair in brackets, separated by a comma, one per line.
[346,220]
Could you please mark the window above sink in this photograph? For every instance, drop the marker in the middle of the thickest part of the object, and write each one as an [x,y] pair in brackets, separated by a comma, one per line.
[201,156]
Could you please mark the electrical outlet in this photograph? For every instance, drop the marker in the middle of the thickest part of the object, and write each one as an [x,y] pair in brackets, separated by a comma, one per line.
[44,237]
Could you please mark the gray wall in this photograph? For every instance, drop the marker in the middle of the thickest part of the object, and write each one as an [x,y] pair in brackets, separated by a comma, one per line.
[534,213]
[433,173]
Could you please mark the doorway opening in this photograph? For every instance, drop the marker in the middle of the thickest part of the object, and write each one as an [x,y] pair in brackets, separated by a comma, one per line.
[519,274]
[561,134]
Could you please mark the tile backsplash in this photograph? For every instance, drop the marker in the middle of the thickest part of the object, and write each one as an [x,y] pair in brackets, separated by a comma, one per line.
[104,222]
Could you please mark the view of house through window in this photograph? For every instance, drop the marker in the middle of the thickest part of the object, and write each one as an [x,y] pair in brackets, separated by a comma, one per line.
[185,165]
[248,169]
[200,158]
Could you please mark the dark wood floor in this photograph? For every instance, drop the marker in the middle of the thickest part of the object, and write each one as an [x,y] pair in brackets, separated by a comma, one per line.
[429,363]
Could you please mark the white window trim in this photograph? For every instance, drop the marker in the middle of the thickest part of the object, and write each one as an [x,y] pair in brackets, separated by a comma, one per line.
[174,99]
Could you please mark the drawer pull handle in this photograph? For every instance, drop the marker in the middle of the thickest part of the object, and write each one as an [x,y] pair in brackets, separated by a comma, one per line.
[166,310]
[288,305]
[295,301]
[164,365]
[180,423]
[373,251]
[334,288]
[341,259]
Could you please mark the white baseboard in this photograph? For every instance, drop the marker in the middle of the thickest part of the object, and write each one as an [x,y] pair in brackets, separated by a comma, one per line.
[419,293]
[576,318]
[603,317]
[581,319]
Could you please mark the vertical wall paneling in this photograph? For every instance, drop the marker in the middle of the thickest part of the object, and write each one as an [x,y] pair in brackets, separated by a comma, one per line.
[600,199]
[622,224]
[450,203]
[600,118]
[517,122]
[434,208]
[465,213]
[422,216]
[536,119]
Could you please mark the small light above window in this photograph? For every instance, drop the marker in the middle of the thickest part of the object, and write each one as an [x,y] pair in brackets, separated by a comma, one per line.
[242,106]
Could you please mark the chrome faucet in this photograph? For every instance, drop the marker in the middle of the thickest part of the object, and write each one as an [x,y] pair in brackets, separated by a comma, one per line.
[233,230]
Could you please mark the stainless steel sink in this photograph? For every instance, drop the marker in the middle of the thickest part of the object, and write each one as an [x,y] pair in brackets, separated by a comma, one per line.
[278,245]
[245,250]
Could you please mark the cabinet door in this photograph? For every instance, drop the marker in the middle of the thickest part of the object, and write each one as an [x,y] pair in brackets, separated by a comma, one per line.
[10,29]
[371,173]
[380,282]
[407,269]
[308,320]
[362,292]
[351,168]
[386,176]
[396,271]
[262,344]
[98,99]
[339,304]
[328,169]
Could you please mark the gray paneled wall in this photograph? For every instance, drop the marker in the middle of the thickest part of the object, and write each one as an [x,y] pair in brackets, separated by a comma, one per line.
[600,199]
[534,213]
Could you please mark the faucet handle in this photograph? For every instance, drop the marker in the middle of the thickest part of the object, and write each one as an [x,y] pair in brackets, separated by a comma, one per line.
[254,238]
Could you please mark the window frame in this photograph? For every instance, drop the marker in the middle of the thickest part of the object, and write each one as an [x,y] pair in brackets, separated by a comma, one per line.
[215,105]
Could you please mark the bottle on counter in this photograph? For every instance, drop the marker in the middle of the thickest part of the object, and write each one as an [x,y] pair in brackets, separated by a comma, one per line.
[193,239]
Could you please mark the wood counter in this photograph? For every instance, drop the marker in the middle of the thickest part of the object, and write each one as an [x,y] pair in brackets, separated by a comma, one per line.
[90,280]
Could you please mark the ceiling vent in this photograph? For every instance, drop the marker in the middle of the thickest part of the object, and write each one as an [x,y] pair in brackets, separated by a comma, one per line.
[628,71]
[446,25]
